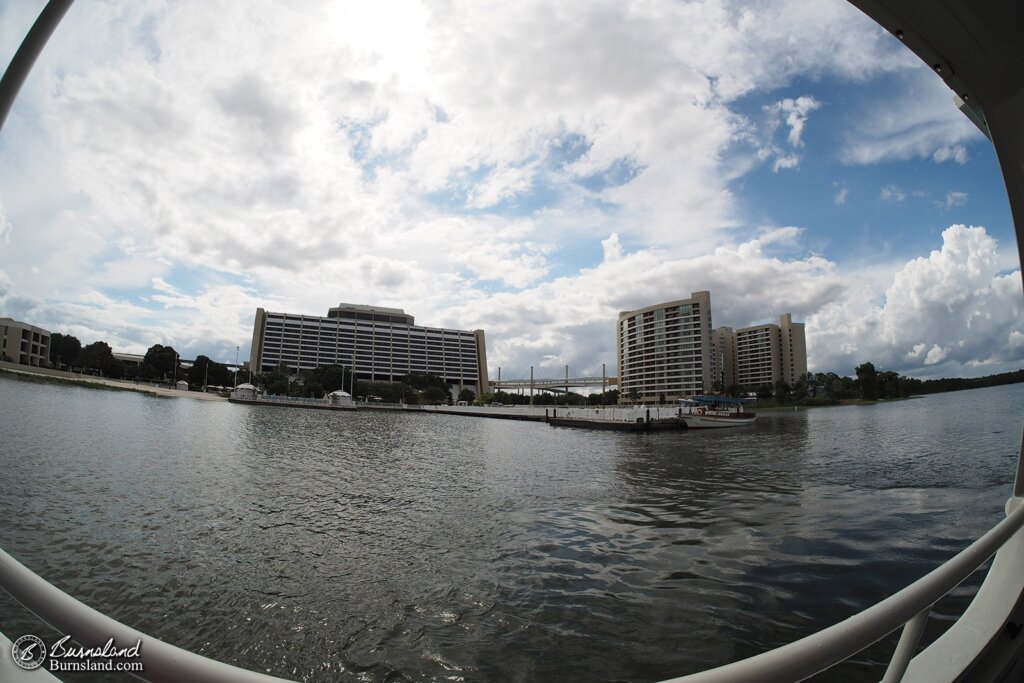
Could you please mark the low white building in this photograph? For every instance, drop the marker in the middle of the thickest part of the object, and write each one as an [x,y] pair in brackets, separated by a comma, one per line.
[246,392]
[340,398]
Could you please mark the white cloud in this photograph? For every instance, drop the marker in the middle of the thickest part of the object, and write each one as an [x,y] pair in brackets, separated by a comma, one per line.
[919,121]
[955,311]
[841,196]
[953,199]
[957,153]
[892,193]
[795,112]
[936,354]
[612,248]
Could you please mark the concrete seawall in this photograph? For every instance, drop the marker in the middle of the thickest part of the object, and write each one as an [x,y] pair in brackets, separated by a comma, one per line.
[128,384]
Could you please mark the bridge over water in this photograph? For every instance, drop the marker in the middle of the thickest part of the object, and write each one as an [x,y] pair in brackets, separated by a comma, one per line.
[560,384]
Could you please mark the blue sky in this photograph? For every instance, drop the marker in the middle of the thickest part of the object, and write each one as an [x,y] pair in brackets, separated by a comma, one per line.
[530,169]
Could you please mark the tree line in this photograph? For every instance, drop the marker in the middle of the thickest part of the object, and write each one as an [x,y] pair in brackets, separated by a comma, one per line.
[160,363]
[416,387]
[868,384]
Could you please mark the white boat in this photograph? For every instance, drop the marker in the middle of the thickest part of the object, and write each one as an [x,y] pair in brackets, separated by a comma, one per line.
[713,412]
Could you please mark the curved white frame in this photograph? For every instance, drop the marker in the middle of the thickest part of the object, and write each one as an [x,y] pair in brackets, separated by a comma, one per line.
[980,59]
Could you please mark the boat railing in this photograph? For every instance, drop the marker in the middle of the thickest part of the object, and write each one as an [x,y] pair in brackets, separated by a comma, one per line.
[909,608]
[160,661]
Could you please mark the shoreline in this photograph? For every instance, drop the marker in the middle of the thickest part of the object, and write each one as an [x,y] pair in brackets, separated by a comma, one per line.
[101,383]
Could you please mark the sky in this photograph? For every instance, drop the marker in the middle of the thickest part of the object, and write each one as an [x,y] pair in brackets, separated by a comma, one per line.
[530,169]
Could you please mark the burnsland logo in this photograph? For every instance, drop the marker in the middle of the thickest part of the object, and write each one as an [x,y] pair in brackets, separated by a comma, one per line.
[107,651]
[29,652]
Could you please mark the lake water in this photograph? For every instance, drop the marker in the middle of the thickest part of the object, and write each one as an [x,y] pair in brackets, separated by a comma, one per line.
[327,546]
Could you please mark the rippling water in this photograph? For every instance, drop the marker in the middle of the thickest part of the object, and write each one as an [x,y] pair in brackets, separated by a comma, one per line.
[327,546]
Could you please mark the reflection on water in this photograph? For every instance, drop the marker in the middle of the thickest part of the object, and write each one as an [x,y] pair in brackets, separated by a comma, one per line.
[337,546]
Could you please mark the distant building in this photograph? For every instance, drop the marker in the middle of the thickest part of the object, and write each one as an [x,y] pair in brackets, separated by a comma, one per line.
[724,357]
[131,361]
[245,391]
[381,344]
[24,343]
[669,350]
[761,354]
[665,350]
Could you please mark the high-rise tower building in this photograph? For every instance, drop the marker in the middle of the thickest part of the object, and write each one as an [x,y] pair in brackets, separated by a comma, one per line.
[761,354]
[664,351]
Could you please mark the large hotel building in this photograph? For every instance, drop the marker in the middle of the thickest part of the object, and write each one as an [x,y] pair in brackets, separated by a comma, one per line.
[381,344]
[664,351]
[669,350]
[762,354]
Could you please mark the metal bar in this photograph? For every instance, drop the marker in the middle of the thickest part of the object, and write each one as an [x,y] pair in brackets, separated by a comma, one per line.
[161,661]
[906,648]
[1018,482]
[25,57]
[819,651]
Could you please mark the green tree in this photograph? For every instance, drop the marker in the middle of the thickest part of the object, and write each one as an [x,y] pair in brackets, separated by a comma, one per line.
[198,374]
[117,369]
[867,381]
[96,356]
[801,389]
[782,391]
[206,372]
[333,377]
[220,375]
[423,380]
[764,391]
[435,395]
[64,349]
[313,389]
[160,361]
[276,381]
[389,392]
[467,395]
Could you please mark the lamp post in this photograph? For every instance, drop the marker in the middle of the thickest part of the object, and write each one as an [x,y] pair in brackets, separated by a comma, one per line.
[236,367]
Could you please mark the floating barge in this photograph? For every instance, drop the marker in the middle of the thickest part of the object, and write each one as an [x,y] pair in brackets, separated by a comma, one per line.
[315,403]
[640,426]
[247,394]
[698,412]
[636,420]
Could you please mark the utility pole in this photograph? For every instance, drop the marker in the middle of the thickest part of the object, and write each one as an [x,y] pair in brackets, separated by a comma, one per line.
[566,385]
[531,385]
[236,367]
[604,383]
